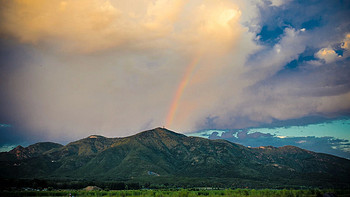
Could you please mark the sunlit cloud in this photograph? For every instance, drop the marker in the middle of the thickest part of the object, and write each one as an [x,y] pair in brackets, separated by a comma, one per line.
[328,55]
[346,42]
[86,27]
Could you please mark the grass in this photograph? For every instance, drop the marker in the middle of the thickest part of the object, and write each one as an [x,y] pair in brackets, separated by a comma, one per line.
[182,193]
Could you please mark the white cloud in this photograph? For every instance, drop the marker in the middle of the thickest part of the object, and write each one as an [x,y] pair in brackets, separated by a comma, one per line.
[278,2]
[328,55]
[291,44]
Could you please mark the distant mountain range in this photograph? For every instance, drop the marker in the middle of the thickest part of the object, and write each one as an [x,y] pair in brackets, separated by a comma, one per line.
[163,156]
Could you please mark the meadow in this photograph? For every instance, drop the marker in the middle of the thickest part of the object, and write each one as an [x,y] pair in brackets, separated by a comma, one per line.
[183,193]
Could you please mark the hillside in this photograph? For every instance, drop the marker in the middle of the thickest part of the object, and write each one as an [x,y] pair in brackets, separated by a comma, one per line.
[163,156]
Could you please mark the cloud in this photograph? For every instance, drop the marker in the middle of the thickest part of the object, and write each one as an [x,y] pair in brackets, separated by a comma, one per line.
[4,125]
[75,68]
[278,2]
[301,141]
[87,27]
[328,55]
[346,42]
[329,145]
[302,90]
[6,148]
[110,67]
[269,61]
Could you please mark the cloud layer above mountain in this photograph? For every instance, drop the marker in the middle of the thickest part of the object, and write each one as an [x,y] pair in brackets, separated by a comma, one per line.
[329,145]
[73,68]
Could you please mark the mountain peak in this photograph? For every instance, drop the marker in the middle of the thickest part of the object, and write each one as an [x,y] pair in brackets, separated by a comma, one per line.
[95,136]
[163,130]
[17,149]
[160,132]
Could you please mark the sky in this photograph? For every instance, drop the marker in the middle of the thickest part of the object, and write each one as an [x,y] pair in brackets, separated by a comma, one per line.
[69,69]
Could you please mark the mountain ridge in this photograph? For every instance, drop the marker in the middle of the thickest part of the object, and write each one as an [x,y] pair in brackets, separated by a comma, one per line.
[171,156]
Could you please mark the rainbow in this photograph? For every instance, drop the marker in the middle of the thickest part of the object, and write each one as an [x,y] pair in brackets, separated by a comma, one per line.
[179,91]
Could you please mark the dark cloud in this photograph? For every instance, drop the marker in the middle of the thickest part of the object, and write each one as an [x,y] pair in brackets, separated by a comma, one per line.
[304,121]
[12,136]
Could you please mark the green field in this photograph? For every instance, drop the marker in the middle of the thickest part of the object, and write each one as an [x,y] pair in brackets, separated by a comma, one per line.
[184,193]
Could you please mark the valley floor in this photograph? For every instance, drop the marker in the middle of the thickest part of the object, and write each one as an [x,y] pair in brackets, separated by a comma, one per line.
[186,193]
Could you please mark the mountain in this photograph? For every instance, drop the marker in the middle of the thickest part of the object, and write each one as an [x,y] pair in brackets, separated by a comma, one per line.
[163,156]
[33,150]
